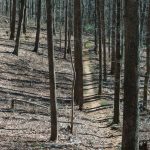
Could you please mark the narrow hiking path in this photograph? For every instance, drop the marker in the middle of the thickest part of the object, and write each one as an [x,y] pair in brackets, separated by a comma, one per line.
[89,89]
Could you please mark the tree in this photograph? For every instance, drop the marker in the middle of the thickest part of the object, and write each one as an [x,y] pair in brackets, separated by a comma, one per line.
[13,21]
[100,46]
[10,11]
[66,27]
[49,9]
[38,27]
[25,18]
[113,38]
[95,33]
[109,28]
[117,67]
[6,7]
[69,25]
[142,7]
[54,32]
[102,4]
[60,23]
[15,52]
[78,91]
[130,137]
[147,74]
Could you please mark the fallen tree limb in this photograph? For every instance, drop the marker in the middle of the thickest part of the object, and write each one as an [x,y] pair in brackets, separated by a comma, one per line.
[23,101]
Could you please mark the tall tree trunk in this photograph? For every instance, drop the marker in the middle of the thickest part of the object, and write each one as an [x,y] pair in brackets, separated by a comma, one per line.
[109,30]
[38,26]
[60,23]
[130,137]
[95,33]
[25,18]
[122,30]
[15,52]
[72,64]
[142,21]
[54,3]
[6,7]
[78,92]
[49,8]
[66,28]
[147,74]
[35,11]
[69,25]
[32,5]
[113,38]
[104,39]
[10,11]
[13,21]
[117,69]
[100,46]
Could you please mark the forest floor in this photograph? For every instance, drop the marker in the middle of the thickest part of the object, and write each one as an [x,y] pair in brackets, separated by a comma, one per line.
[25,78]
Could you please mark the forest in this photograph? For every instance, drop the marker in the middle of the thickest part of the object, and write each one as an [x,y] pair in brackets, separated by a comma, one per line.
[74,74]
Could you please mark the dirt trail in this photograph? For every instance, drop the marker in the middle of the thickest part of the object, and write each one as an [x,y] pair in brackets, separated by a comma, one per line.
[88,78]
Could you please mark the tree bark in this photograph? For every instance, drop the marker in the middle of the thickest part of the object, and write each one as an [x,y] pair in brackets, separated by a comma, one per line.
[100,46]
[69,25]
[6,7]
[78,92]
[147,74]
[25,18]
[52,76]
[66,28]
[13,21]
[95,33]
[117,69]
[130,137]
[15,52]
[113,38]
[10,11]
[38,27]
[104,39]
